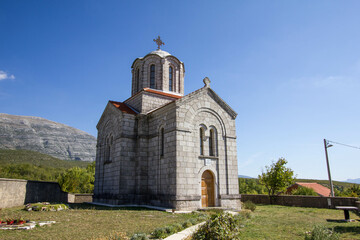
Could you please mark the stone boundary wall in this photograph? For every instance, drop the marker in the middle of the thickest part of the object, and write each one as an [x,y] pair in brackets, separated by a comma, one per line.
[17,192]
[301,201]
[80,197]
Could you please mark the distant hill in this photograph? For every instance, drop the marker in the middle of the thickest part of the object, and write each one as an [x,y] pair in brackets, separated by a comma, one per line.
[30,165]
[48,137]
[356,180]
[244,176]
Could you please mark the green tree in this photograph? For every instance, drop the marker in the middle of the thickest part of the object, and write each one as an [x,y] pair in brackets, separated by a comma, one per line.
[78,180]
[250,186]
[277,177]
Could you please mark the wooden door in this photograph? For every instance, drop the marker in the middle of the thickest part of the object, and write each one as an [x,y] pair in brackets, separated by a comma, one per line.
[207,189]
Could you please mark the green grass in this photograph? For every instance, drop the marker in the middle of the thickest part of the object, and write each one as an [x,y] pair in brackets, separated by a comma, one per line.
[90,222]
[279,222]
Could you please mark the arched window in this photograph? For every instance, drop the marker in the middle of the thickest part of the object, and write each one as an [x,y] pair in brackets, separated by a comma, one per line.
[212,143]
[162,142]
[108,145]
[201,141]
[152,76]
[170,78]
[137,80]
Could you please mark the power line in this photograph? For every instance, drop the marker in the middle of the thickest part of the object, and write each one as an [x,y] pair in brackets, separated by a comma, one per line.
[344,144]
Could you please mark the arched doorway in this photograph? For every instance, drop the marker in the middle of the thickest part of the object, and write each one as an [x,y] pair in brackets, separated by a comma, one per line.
[207,189]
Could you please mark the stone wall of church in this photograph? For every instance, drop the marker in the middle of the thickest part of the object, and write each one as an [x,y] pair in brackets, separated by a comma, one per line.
[205,112]
[144,102]
[162,169]
[115,175]
[151,101]
[135,102]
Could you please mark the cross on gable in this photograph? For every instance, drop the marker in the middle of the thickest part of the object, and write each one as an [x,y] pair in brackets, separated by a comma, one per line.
[158,42]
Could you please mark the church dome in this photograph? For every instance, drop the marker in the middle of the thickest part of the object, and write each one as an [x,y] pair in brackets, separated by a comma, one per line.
[160,53]
[158,70]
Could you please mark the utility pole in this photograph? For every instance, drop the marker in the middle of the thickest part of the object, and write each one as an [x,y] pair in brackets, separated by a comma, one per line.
[328,167]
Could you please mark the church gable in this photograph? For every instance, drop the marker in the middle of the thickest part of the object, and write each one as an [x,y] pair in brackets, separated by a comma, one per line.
[113,116]
[205,98]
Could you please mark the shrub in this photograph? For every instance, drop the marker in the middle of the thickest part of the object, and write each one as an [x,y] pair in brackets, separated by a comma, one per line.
[193,221]
[170,229]
[78,180]
[322,233]
[139,236]
[221,226]
[178,227]
[250,205]
[202,217]
[159,233]
[187,224]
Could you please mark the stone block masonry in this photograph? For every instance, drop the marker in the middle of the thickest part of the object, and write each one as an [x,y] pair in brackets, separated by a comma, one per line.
[17,192]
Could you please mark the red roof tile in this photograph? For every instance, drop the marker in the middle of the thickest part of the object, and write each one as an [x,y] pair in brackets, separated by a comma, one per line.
[162,93]
[319,189]
[123,107]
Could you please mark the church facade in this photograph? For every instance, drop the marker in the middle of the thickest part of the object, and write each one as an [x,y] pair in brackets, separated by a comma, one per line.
[162,148]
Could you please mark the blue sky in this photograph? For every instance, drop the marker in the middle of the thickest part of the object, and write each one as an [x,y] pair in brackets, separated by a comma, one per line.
[290,69]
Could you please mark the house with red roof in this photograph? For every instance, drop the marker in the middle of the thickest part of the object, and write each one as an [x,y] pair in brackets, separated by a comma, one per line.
[319,189]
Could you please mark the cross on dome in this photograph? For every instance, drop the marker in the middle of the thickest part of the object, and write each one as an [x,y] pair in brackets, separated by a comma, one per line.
[158,42]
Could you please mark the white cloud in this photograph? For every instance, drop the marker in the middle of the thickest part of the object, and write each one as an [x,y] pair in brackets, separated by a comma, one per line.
[4,76]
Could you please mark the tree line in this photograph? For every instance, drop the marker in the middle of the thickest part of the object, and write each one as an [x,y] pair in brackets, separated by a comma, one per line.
[277,178]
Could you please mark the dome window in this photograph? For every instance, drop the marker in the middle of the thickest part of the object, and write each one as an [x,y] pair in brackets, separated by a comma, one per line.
[152,76]
[170,78]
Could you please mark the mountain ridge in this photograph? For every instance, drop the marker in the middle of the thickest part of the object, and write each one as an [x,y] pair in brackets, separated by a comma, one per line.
[46,136]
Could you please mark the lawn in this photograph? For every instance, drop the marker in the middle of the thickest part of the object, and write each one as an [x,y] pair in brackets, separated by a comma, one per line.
[90,222]
[279,222]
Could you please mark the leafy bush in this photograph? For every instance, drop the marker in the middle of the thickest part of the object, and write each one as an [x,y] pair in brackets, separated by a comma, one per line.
[193,221]
[251,186]
[187,224]
[159,233]
[170,229]
[178,227]
[222,226]
[78,180]
[202,217]
[322,233]
[139,236]
[249,205]
[304,191]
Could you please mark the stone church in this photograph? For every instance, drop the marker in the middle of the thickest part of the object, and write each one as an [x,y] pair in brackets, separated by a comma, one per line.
[164,149]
